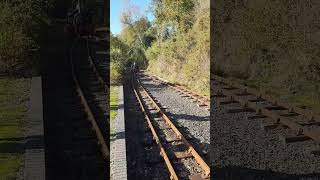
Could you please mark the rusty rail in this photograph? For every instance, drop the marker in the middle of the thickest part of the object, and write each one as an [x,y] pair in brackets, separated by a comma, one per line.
[226,88]
[310,115]
[163,153]
[101,141]
[191,151]
[204,101]
[93,66]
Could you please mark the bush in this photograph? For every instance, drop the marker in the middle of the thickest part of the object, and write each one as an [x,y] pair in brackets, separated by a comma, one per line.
[271,44]
[184,56]
[13,41]
[13,49]
[175,46]
[21,22]
[119,58]
[115,74]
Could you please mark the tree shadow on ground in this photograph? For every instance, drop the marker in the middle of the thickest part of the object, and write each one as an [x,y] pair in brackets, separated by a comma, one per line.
[19,145]
[241,173]
[11,147]
[201,147]
[113,108]
[117,136]
[188,117]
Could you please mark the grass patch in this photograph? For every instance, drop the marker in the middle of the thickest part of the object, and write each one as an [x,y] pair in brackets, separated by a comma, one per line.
[114,103]
[9,165]
[309,100]
[114,95]
[14,95]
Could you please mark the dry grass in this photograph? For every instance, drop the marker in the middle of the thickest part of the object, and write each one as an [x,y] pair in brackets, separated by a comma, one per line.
[14,95]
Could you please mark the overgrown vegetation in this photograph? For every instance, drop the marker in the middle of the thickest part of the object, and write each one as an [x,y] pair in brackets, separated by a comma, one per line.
[130,46]
[14,94]
[114,95]
[21,22]
[119,57]
[271,45]
[175,45]
[9,166]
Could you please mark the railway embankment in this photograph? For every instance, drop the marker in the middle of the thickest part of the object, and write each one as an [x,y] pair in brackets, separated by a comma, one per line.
[257,136]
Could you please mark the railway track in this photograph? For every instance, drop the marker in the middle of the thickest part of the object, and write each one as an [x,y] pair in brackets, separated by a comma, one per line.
[98,53]
[76,146]
[92,90]
[181,159]
[303,124]
[183,91]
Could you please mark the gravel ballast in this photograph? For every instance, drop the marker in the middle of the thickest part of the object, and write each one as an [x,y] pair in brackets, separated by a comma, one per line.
[143,154]
[190,119]
[242,146]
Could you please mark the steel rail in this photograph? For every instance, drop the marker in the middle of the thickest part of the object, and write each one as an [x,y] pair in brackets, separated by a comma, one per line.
[181,89]
[188,92]
[203,165]
[101,141]
[93,66]
[163,153]
[278,119]
[310,115]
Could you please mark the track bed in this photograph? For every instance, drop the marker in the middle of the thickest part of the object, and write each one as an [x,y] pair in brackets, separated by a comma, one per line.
[72,149]
[249,141]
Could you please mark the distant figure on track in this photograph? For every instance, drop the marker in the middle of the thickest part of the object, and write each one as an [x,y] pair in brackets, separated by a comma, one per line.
[79,22]
[69,28]
[133,66]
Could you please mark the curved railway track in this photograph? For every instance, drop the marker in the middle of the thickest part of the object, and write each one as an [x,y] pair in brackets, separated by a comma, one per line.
[181,159]
[303,123]
[75,138]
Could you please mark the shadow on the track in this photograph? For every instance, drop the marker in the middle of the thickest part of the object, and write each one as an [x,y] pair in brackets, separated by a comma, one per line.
[19,145]
[117,136]
[241,173]
[11,147]
[188,117]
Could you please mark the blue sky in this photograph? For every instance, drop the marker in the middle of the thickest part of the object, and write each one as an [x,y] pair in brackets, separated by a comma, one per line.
[117,6]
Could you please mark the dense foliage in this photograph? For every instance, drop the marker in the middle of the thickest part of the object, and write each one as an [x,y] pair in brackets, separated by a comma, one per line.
[119,57]
[270,44]
[182,51]
[130,46]
[21,22]
[175,45]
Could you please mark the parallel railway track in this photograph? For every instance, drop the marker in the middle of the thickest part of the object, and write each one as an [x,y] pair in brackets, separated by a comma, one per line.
[92,89]
[183,91]
[303,123]
[99,68]
[97,51]
[177,152]
[75,140]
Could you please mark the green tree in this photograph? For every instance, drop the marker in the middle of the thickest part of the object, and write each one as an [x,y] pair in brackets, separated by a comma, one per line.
[176,45]
[182,52]
[119,55]
[138,37]
[21,22]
